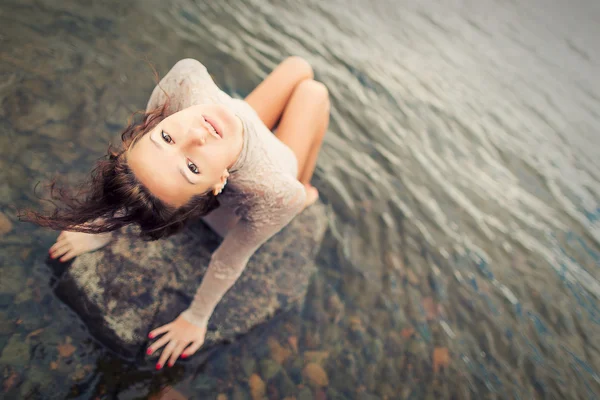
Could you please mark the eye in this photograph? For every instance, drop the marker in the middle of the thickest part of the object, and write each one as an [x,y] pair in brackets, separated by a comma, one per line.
[193,168]
[166,137]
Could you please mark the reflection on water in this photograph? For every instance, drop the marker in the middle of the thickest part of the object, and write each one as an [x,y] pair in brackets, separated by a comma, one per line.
[462,165]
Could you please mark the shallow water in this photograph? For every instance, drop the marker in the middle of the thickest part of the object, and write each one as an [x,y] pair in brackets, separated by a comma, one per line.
[461,164]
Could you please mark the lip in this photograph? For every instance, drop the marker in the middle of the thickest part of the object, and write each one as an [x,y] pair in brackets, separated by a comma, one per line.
[214,125]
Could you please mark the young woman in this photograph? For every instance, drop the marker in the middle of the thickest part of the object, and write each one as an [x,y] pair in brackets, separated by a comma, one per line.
[200,153]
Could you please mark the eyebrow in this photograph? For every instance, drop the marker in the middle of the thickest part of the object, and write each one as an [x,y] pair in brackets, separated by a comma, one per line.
[180,170]
[186,177]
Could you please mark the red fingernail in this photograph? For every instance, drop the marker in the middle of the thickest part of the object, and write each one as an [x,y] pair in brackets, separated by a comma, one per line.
[158,366]
[170,365]
[151,336]
[184,356]
[149,351]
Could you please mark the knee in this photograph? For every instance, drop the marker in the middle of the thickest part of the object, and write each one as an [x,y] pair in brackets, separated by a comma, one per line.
[317,91]
[300,66]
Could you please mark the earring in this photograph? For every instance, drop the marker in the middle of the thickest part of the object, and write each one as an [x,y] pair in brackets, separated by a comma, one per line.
[224,183]
[221,189]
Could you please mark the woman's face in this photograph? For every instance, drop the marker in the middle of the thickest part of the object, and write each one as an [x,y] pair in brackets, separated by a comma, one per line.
[188,153]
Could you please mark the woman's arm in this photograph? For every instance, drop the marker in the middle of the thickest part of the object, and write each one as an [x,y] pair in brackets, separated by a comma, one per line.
[275,210]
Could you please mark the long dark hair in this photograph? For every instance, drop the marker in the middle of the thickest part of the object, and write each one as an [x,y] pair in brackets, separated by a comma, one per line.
[113,197]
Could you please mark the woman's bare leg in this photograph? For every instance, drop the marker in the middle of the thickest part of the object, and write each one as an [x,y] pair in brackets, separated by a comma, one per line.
[301,105]
[303,125]
[271,96]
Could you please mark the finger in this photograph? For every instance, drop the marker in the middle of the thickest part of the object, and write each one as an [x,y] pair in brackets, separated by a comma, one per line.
[176,353]
[58,245]
[159,331]
[158,344]
[193,348]
[166,354]
[62,251]
[53,247]
[63,234]
[68,255]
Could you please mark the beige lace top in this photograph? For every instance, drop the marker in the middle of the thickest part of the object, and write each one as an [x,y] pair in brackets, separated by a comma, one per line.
[262,194]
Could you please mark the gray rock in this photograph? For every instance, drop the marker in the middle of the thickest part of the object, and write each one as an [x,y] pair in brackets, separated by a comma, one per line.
[130,287]
[16,352]
[5,224]
[269,369]
[239,393]
[305,394]
[286,386]
[248,365]
[35,103]
[12,279]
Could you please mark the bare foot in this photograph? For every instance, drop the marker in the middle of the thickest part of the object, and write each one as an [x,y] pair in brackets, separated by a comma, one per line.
[72,244]
[312,194]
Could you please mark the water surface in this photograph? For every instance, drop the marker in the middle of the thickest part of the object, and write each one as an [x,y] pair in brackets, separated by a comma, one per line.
[461,166]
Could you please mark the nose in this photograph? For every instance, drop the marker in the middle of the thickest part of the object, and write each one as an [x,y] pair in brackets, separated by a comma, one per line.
[197,136]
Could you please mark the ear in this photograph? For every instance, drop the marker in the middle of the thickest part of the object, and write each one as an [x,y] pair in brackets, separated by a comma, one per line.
[222,182]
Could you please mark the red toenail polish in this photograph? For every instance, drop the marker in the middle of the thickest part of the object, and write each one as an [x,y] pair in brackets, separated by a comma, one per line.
[184,356]
[151,336]
[158,366]
[170,365]
[149,351]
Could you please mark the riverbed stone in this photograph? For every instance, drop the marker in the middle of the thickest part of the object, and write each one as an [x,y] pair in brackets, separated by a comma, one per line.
[316,375]
[5,224]
[258,388]
[16,352]
[130,287]
[12,279]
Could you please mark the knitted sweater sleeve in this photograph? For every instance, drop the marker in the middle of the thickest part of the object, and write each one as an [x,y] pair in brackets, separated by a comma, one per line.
[271,206]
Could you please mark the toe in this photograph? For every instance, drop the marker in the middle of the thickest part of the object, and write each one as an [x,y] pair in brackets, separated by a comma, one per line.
[312,194]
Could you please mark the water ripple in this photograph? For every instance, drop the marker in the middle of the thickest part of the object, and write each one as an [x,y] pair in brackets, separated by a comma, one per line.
[461,166]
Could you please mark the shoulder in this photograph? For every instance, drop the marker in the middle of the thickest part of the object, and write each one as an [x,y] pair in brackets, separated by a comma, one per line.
[187,82]
[188,69]
[188,65]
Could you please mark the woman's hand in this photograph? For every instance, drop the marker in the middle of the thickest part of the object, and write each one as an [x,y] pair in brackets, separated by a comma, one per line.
[72,244]
[180,337]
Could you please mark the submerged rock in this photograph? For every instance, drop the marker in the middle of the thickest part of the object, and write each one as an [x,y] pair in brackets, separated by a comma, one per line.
[130,287]
[258,388]
[16,352]
[12,279]
[5,224]
[316,375]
